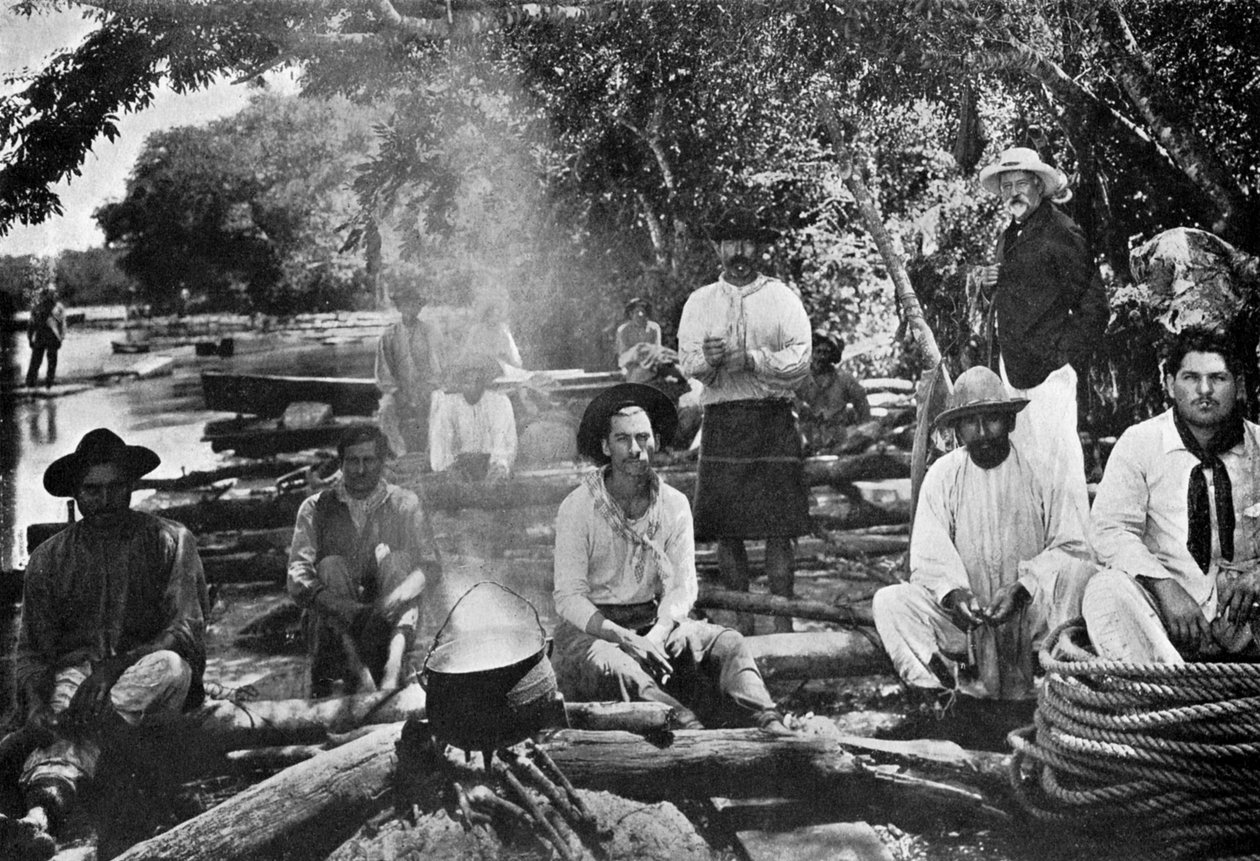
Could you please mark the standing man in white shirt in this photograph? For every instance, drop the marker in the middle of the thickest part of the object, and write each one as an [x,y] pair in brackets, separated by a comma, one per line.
[1176,521]
[625,581]
[472,432]
[747,338]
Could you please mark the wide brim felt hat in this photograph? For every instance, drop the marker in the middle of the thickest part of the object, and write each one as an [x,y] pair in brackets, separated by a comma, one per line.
[1026,159]
[658,406]
[97,447]
[978,391]
[739,223]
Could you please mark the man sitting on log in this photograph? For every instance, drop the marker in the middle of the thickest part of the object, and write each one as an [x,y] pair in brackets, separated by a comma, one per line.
[998,556]
[1176,521]
[112,634]
[625,581]
[472,433]
[357,568]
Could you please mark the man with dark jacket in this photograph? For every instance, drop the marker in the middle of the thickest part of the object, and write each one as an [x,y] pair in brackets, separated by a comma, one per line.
[357,567]
[1050,307]
[112,634]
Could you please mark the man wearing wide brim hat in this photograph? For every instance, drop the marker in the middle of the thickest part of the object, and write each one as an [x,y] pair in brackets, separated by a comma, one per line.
[747,338]
[472,432]
[1048,306]
[625,581]
[410,359]
[998,557]
[112,632]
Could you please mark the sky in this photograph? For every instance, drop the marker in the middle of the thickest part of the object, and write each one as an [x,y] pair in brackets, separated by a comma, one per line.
[28,42]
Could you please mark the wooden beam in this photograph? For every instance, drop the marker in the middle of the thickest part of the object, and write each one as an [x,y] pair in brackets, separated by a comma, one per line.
[818,655]
[773,605]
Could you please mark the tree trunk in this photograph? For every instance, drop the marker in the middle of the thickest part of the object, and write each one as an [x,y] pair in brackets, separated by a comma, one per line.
[818,655]
[912,311]
[773,605]
[320,801]
[1192,154]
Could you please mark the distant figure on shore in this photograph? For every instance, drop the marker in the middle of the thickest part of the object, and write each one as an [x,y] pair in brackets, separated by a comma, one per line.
[490,336]
[409,360]
[832,399]
[46,331]
[473,430]
[112,637]
[361,552]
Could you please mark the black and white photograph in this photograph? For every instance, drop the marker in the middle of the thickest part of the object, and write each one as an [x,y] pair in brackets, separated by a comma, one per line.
[629,430]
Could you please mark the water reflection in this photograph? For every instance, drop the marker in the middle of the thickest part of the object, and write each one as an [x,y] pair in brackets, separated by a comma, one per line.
[41,423]
[166,414]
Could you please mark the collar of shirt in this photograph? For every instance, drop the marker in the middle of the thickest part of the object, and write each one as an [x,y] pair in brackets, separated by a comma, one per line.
[1170,440]
[360,508]
[747,289]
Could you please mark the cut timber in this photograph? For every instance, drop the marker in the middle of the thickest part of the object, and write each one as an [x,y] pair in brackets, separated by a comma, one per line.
[319,802]
[835,841]
[227,726]
[818,655]
[773,605]
[860,544]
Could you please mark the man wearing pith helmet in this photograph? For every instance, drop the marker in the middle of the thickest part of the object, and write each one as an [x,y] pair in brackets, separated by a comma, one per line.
[998,554]
[1049,305]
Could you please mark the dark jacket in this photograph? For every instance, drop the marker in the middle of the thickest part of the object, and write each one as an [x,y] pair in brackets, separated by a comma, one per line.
[1051,307]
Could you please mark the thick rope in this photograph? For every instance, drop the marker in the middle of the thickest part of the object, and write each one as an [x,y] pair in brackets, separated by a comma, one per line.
[1169,753]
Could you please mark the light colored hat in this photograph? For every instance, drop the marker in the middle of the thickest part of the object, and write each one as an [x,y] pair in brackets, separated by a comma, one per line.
[1023,158]
[978,390]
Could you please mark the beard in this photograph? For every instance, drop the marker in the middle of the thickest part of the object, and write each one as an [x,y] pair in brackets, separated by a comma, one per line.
[1017,206]
[738,263]
[989,453]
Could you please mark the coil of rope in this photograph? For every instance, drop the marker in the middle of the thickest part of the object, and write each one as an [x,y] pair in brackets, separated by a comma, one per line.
[1167,753]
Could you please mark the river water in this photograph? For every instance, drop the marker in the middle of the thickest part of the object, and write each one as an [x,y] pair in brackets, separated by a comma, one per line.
[165,413]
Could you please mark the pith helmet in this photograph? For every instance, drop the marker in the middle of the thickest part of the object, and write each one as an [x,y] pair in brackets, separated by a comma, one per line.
[978,390]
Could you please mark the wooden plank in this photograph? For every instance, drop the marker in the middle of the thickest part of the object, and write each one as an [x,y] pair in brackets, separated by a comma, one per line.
[835,841]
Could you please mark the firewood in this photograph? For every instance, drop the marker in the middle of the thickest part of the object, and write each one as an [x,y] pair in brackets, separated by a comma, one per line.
[773,605]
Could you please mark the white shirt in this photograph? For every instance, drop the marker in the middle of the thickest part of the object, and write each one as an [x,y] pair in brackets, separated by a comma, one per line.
[1140,521]
[457,427]
[763,319]
[594,565]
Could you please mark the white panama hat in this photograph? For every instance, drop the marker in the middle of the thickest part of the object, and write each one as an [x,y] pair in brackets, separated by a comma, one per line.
[1023,158]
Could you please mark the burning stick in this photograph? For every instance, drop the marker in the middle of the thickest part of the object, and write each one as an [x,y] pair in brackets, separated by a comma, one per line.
[555,794]
[550,764]
[505,774]
[485,798]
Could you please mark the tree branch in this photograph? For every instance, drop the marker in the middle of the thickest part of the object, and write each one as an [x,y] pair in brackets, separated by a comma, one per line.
[1138,80]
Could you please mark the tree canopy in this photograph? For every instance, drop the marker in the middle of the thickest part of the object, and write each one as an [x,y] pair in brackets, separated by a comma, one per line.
[567,156]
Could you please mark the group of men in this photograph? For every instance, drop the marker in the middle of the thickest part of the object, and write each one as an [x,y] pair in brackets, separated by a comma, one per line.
[1004,546]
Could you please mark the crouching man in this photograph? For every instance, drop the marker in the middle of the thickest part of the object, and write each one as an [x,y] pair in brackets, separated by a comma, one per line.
[357,567]
[1176,520]
[112,634]
[998,556]
[625,581]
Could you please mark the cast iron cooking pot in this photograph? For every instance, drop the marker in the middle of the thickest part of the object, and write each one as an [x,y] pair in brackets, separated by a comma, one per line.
[488,680]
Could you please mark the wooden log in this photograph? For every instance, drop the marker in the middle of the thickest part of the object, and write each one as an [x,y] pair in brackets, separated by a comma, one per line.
[850,544]
[327,797]
[268,468]
[320,802]
[773,605]
[818,655]
[221,725]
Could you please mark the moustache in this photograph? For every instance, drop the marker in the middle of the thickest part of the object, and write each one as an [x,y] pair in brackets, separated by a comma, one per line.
[737,261]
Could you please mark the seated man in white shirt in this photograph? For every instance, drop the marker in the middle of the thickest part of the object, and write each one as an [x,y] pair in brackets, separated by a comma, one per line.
[625,581]
[472,432]
[1176,523]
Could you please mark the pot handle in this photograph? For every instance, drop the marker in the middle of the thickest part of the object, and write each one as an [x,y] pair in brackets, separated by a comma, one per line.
[537,619]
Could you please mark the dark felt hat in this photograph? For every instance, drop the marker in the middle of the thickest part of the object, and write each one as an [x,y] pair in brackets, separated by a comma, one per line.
[740,223]
[637,301]
[653,401]
[97,447]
